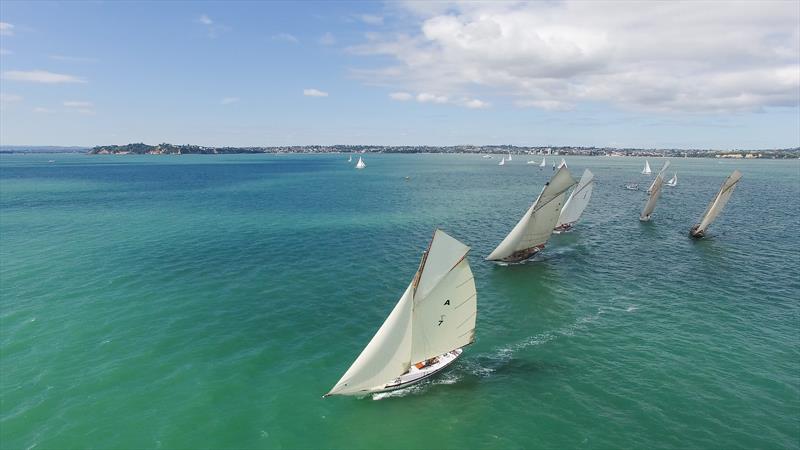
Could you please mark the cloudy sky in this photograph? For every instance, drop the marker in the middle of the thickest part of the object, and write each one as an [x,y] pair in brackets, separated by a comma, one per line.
[688,74]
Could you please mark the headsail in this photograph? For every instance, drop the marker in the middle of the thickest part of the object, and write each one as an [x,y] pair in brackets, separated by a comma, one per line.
[435,315]
[719,202]
[577,200]
[535,227]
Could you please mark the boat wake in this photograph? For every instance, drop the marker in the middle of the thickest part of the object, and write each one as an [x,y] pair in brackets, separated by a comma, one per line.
[445,378]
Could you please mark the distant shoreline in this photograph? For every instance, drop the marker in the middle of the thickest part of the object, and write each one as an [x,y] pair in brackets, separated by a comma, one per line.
[170,149]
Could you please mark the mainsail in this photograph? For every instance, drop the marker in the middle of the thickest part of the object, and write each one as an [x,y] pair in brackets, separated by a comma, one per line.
[716,205]
[563,163]
[577,201]
[502,162]
[535,227]
[673,181]
[544,162]
[436,314]
[655,192]
[646,170]
[360,164]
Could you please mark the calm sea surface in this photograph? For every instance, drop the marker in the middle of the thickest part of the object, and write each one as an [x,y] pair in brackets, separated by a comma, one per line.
[209,301]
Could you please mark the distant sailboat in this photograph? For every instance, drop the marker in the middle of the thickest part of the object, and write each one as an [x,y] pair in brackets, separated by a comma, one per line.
[576,203]
[655,192]
[554,165]
[426,330]
[716,205]
[646,170]
[533,230]
[350,159]
[530,161]
[509,156]
[502,162]
[360,164]
[563,163]
[673,181]
[632,186]
[486,156]
[544,163]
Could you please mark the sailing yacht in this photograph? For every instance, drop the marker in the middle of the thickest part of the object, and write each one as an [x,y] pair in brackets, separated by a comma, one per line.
[427,329]
[563,163]
[509,156]
[646,170]
[715,207]
[350,159]
[673,181]
[360,164]
[654,192]
[543,164]
[576,203]
[533,230]
[502,162]
[530,161]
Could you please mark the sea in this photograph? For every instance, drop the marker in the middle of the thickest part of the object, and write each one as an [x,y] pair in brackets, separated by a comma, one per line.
[209,301]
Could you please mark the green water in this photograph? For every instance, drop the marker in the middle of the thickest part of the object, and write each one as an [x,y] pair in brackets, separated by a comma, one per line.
[209,301]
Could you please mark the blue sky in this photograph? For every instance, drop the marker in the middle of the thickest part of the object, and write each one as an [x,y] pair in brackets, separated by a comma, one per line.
[639,74]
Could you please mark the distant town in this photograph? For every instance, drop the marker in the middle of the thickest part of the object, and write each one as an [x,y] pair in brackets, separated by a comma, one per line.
[171,149]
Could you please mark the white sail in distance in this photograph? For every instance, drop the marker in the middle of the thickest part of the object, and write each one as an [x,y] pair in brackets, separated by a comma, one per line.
[360,164]
[502,162]
[673,181]
[577,201]
[720,200]
[536,225]
[544,162]
[436,314]
[509,156]
[563,163]
[646,170]
[655,193]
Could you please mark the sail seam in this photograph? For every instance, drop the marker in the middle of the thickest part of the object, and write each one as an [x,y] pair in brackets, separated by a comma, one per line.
[465,301]
[465,320]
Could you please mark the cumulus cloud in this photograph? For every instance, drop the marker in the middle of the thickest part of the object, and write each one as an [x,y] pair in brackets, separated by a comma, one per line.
[285,37]
[213,28]
[40,76]
[205,20]
[425,97]
[702,56]
[401,96]
[6,29]
[229,100]
[314,93]
[327,39]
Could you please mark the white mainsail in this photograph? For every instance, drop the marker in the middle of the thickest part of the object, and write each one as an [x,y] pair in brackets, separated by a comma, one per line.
[435,315]
[350,159]
[646,170]
[673,181]
[577,201]
[661,172]
[509,156]
[360,164]
[719,202]
[655,192]
[535,227]
[563,163]
[544,162]
[502,162]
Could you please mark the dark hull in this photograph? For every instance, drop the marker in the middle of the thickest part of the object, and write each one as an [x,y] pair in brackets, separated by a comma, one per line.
[522,255]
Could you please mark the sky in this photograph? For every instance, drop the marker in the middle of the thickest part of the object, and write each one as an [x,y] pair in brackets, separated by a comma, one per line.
[647,74]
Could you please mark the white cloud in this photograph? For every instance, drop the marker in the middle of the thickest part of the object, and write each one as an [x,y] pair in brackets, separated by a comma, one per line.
[229,100]
[371,19]
[702,56]
[41,76]
[425,97]
[9,98]
[43,110]
[6,29]
[77,104]
[314,93]
[401,96]
[285,37]
[212,27]
[205,20]
[4,51]
[474,103]
[327,39]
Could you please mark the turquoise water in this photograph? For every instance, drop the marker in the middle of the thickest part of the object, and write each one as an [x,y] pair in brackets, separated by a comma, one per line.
[209,301]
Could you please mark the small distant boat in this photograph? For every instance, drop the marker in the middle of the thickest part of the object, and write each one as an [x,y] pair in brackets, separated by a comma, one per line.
[543,164]
[502,162]
[554,165]
[533,230]
[487,156]
[576,203]
[350,159]
[563,163]
[632,186]
[427,329]
[51,161]
[531,162]
[509,156]
[646,170]
[673,181]
[360,164]
[716,205]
